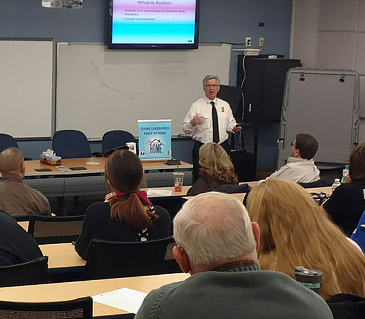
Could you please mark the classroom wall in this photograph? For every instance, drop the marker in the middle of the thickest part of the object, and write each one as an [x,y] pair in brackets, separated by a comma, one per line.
[220,21]
[335,39]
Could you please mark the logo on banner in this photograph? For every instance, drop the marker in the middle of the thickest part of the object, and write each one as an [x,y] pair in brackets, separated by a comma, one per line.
[155,146]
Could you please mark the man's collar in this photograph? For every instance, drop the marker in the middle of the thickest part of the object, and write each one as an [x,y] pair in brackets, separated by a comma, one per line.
[299,159]
[243,265]
[8,177]
[208,101]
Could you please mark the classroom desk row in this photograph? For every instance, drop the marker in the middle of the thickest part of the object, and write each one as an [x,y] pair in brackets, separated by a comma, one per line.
[64,255]
[85,176]
[77,289]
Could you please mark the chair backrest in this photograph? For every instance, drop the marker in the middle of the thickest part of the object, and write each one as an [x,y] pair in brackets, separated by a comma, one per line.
[72,309]
[71,144]
[110,259]
[55,229]
[232,189]
[22,218]
[28,273]
[359,235]
[7,141]
[319,183]
[116,138]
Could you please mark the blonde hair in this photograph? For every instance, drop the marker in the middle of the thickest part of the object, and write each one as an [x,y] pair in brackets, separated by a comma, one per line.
[295,231]
[215,165]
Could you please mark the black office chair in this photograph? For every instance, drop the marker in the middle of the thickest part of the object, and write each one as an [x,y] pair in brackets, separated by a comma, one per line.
[232,189]
[70,309]
[110,259]
[7,141]
[55,229]
[28,273]
[71,144]
[23,218]
[319,183]
[116,138]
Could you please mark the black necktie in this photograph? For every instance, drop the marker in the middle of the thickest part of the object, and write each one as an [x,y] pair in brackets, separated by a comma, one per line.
[215,124]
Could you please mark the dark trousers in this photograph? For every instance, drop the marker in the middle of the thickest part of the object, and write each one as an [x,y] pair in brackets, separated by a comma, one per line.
[196,148]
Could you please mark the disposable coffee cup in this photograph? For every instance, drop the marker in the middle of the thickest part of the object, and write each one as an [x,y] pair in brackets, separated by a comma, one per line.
[178,181]
[310,278]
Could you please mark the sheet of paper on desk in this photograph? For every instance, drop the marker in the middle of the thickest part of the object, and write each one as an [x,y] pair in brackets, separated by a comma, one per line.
[159,192]
[125,299]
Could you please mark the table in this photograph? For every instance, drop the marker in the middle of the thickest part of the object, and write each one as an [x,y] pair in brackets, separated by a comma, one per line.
[77,289]
[62,255]
[89,181]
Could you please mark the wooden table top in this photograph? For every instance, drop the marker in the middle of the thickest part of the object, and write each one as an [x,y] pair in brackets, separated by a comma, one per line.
[62,255]
[98,167]
[77,289]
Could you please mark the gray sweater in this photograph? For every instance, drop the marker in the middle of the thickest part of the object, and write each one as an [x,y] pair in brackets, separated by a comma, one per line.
[235,294]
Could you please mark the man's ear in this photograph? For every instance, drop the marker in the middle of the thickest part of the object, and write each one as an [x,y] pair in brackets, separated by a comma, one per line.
[182,259]
[256,234]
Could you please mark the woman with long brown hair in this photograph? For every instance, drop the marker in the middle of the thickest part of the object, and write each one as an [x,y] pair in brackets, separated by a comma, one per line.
[127,214]
[216,169]
[295,231]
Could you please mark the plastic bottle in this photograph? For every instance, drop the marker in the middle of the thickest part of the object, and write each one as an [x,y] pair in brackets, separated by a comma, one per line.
[336,184]
[345,172]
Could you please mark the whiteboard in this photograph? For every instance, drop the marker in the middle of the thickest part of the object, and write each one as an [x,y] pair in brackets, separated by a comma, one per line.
[26,88]
[100,90]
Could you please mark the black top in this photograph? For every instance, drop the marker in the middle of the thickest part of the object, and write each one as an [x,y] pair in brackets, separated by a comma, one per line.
[16,245]
[98,225]
[346,205]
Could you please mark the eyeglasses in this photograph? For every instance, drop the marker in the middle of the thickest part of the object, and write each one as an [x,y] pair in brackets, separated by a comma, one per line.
[211,85]
[112,150]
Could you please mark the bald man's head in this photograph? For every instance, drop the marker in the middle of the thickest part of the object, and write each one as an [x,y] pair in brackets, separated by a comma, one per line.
[11,161]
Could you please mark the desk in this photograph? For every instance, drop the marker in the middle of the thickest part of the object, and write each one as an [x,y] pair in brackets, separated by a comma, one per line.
[62,255]
[78,289]
[56,183]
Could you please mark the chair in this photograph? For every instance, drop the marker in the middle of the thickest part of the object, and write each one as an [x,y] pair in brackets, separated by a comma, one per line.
[110,259]
[71,309]
[55,229]
[116,138]
[358,235]
[7,141]
[232,189]
[319,183]
[71,144]
[28,273]
[23,218]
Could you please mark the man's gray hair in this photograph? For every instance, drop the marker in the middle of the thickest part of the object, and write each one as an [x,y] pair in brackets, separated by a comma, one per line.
[10,160]
[211,77]
[214,227]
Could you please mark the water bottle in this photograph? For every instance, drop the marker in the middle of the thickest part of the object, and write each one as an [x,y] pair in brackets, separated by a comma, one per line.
[336,184]
[345,172]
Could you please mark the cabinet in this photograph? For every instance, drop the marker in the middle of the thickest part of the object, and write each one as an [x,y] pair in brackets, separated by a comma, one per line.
[263,86]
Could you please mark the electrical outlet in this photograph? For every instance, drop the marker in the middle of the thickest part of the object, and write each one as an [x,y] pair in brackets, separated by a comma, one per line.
[248,41]
[261,41]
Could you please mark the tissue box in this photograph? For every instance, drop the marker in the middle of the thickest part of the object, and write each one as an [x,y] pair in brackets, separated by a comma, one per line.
[50,160]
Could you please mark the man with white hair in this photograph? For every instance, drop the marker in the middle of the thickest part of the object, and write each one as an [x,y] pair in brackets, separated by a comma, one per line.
[17,198]
[216,244]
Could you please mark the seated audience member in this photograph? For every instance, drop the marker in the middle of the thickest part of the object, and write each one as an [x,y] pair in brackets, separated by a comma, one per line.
[217,245]
[300,167]
[347,202]
[296,231]
[216,169]
[16,245]
[127,214]
[17,198]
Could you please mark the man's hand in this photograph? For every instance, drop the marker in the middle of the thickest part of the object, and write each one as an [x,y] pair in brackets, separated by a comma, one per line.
[197,120]
[237,129]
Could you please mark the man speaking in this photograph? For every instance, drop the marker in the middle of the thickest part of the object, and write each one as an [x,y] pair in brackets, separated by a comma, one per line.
[209,120]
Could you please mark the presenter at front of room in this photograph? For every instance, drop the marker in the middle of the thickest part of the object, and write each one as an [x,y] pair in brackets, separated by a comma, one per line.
[209,119]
